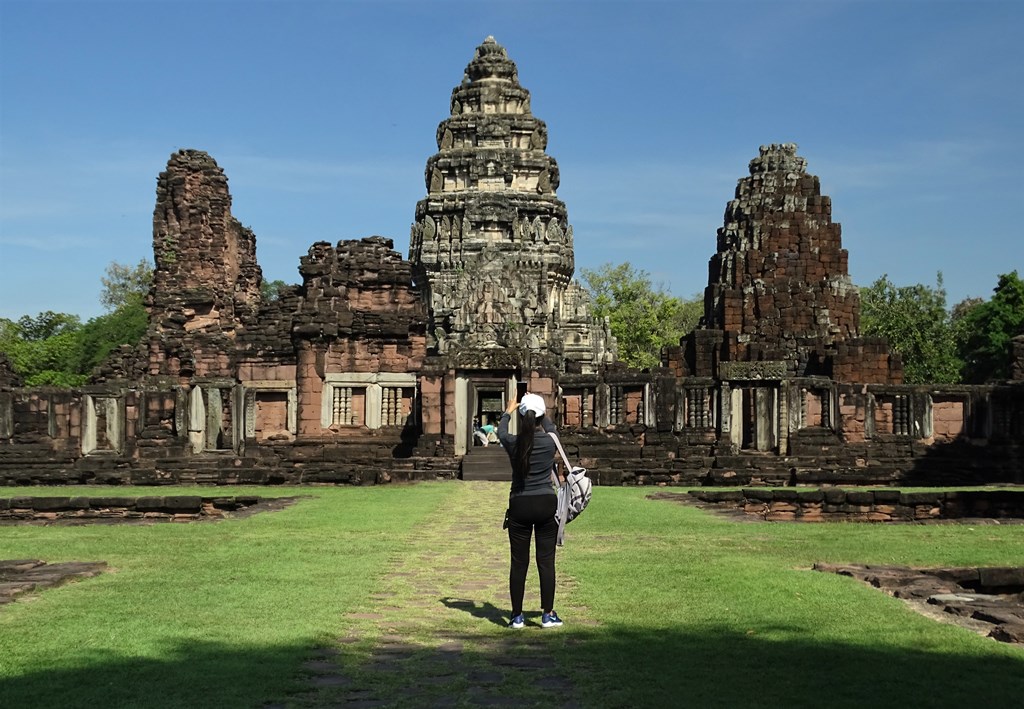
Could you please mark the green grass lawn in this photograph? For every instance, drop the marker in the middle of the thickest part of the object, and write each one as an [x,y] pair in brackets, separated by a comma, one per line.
[692,609]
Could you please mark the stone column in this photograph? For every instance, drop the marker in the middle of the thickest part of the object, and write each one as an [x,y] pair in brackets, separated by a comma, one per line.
[432,404]
[89,425]
[461,415]
[196,420]
[6,415]
[309,387]
[736,418]
[374,402]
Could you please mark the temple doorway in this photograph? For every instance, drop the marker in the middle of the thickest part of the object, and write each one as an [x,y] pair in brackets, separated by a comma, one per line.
[489,403]
[480,398]
[756,417]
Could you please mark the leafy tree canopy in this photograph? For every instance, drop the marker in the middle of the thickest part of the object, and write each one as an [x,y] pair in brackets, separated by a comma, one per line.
[125,284]
[985,330]
[643,317]
[42,349]
[271,290]
[915,321]
[46,325]
[56,349]
[104,334]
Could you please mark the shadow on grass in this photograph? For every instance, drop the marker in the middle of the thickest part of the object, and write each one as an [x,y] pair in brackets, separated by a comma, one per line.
[485,611]
[188,674]
[723,668]
[609,667]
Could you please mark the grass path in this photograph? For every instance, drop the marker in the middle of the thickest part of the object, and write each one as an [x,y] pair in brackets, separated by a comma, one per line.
[396,596]
[434,634]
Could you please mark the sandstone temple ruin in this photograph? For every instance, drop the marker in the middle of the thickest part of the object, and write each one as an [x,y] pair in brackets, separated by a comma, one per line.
[375,366]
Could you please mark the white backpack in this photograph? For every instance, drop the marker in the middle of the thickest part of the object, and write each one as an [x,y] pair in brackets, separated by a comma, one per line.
[574,495]
[578,490]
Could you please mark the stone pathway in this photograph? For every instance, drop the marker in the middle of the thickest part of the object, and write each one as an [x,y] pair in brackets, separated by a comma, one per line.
[21,576]
[985,600]
[435,635]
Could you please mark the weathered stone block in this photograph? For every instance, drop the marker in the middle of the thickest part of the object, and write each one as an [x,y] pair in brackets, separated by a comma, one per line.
[835,496]
[921,498]
[887,496]
[149,504]
[178,504]
[857,497]
[1002,579]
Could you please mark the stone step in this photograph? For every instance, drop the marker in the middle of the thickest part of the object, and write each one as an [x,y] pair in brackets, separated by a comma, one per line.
[487,463]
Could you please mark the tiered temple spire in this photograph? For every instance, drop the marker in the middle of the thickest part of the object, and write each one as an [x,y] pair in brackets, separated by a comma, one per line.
[492,246]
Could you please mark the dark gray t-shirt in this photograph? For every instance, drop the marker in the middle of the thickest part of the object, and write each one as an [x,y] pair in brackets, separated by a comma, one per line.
[538,478]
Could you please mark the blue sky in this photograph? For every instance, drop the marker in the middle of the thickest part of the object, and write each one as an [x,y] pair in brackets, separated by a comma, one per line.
[323,115]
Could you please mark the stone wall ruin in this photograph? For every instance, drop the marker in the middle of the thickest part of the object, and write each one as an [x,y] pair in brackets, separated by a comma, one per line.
[375,367]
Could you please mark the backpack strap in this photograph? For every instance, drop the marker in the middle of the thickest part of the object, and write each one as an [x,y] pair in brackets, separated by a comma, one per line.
[563,491]
[561,451]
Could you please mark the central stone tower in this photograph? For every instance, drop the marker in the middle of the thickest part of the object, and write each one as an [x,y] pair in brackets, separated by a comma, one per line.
[492,247]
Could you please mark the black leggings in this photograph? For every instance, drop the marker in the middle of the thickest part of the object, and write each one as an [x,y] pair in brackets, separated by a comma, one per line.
[527,513]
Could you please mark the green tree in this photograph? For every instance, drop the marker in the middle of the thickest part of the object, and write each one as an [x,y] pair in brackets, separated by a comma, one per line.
[102,335]
[690,314]
[271,290]
[46,324]
[125,284]
[56,349]
[915,321]
[643,317]
[988,327]
[43,349]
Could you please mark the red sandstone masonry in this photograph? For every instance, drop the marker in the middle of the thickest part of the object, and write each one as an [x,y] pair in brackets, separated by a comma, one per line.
[779,287]
[834,504]
[206,276]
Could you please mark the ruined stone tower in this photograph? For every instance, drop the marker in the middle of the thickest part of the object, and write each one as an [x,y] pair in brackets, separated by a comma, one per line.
[779,291]
[779,285]
[492,246]
[206,277]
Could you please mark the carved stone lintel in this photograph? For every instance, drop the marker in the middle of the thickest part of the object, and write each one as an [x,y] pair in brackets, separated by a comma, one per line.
[752,371]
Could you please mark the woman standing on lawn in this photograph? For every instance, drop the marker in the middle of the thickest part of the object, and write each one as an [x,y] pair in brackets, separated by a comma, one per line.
[532,503]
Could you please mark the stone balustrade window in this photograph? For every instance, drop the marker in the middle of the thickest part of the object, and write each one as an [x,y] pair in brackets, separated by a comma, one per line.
[698,408]
[816,408]
[396,405]
[892,414]
[371,400]
[577,407]
[626,404]
[349,406]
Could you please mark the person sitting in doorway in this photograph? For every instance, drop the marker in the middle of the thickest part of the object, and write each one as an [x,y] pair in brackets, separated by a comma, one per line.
[490,431]
[479,434]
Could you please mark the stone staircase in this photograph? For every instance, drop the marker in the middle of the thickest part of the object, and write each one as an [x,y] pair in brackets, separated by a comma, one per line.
[487,463]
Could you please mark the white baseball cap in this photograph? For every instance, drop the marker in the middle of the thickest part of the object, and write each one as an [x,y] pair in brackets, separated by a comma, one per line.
[534,403]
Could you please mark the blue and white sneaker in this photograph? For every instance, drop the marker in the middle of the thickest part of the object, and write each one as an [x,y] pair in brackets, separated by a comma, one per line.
[517,621]
[550,620]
